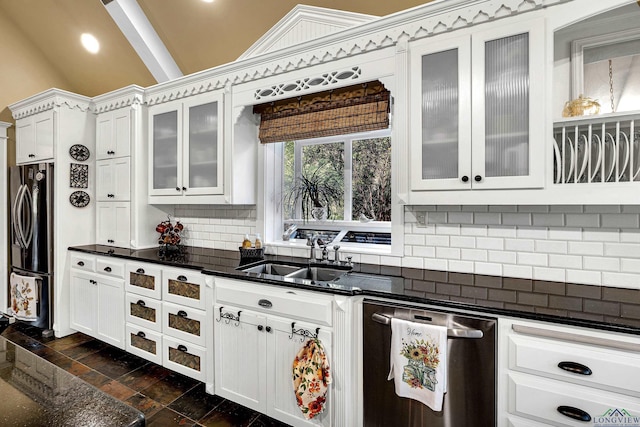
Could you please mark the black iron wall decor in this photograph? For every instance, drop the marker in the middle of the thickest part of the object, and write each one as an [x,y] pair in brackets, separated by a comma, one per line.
[79,175]
[79,152]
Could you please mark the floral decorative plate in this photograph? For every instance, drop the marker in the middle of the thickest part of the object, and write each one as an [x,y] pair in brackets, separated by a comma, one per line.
[79,152]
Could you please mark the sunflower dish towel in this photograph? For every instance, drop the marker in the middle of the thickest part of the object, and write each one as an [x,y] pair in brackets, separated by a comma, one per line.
[311,378]
[419,361]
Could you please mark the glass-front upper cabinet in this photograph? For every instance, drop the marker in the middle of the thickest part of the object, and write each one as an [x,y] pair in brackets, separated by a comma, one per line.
[477,109]
[186,147]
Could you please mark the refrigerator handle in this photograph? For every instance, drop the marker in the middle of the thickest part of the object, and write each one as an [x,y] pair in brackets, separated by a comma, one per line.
[30,218]
[17,212]
[33,203]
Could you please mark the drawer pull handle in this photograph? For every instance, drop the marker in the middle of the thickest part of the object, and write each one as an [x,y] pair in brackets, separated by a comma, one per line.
[140,271]
[265,303]
[93,282]
[141,334]
[574,413]
[141,303]
[182,314]
[575,368]
[182,278]
[182,348]
[107,269]
[81,263]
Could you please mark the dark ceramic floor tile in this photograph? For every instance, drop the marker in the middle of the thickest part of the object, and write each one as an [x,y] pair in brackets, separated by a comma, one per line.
[95,378]
[196,403]
[47,353]
[166,417]
[264,421]
[113,362]
[69,341]
[144,377]
[117,390]
[143,404]
[229,414]
[169,388]
[63,362]
[84,349]
[77,368]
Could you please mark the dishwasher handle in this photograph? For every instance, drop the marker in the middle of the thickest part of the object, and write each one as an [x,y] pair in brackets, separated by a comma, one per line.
[451,332]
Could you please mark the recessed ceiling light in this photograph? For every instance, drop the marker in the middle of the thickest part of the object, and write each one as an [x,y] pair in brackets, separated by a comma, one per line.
[90,42]
[211,1]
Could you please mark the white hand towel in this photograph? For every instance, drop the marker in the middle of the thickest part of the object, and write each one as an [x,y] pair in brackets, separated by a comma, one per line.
[419,361]
[24,297]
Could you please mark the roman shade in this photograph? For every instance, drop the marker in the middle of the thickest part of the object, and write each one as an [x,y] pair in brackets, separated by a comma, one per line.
[359,108]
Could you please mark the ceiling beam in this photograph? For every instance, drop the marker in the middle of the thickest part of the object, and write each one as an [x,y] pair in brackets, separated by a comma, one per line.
[138,30]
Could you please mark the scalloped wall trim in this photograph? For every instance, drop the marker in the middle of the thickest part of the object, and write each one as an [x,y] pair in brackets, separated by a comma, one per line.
[377,35]
[117,103]
[50,104]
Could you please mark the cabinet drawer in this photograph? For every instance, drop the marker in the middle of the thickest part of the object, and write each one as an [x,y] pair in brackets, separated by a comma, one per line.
[184,287]
[83,262]
[184,323]
[144,279]
[144,343]
[110,268]
[184,357]
[541,398]
[605,368]
[144,311]
[289,303]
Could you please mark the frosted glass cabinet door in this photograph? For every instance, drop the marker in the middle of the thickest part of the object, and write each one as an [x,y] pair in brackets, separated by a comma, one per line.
[203,146]
[165,153]
[441,147]
[508,90]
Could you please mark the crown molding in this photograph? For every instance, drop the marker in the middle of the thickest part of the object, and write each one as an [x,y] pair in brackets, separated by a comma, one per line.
[323,21]
[49,100]
[121,98]
[431,19]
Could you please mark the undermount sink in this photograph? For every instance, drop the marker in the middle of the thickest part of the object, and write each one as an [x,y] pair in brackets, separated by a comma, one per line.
[272,268]
[316,272]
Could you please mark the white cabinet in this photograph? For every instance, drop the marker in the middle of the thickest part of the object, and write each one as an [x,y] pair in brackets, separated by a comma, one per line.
[35,137]
[186,149]
[255,346]
[476,110]
[113,179]
[97,303]
[113,223]
[113,134]
[565,376]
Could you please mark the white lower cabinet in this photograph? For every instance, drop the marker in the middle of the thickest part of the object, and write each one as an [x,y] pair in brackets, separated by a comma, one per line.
[144,343]
[566,376]
[255,348]
[184,357]
[97,306]
[114,223]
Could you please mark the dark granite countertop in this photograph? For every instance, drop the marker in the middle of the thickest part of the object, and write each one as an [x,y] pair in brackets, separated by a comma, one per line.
[36,392]
[600,307]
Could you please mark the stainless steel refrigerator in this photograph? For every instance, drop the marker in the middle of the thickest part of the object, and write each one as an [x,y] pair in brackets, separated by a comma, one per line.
[31,192]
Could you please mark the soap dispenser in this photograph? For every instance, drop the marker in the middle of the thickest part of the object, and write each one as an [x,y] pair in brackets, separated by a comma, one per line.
[246,243]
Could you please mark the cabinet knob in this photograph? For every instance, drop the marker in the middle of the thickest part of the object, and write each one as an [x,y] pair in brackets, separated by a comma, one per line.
[182,278]
[182,348]
[574,413]
[141,303]
[265,303]
[260,327]
[110,241]
[110,195]
[177,188]
[81,263]
[107,269]
[465,178]
[184,188]
[140,271]
[182,314]
[93,282]
[31,156]
[141,334]
[478,178]
[268,328]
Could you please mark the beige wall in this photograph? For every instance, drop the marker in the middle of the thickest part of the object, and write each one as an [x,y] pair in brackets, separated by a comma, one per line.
[23,72]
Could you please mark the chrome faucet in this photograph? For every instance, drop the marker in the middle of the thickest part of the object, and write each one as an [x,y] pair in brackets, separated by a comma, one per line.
[312,242]
[325,254]
[336,257]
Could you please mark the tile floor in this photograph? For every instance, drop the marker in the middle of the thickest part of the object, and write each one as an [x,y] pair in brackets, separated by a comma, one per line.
[165,397]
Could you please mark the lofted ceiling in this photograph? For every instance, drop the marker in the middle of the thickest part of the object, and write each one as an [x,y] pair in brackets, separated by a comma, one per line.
[198,35]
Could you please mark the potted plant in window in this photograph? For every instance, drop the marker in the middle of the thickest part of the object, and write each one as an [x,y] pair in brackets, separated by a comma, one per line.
[317,193]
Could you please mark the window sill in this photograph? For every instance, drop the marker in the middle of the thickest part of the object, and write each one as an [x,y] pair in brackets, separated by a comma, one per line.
[350,248]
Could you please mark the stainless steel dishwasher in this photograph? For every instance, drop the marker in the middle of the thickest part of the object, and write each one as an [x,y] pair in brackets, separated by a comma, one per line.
[471,390]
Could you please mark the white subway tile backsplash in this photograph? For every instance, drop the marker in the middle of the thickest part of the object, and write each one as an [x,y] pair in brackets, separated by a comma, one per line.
[627,250]
[533,208]
[566,208]
[394,261]
[460,218]
[414,239]
[565,233]
[424,251]
[583,220]
[460,266]
[565,261]
[448,229]
[584,277]
[491,269]
[549,274]
[601,234]
[503,257]
[437,217]
[522,245]
[474,254]
[630,236]
[519,271]
[621,280]
[448,253]
[473,230]
[528,258]
[436,264]
[602,209]
[502,231]
[462,242]
[369,259]
[551,246]
[516,219]
[489,243]
[503,208]
[621,220]
[548,220]
[532,232]
[586,248]
[438,240]
[630,266]
[601,263]
[489,218]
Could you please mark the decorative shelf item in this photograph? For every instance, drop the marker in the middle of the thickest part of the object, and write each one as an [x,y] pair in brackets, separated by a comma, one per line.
[170,238]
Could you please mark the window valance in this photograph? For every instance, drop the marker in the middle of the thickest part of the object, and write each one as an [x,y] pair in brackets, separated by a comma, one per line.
[359,108]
